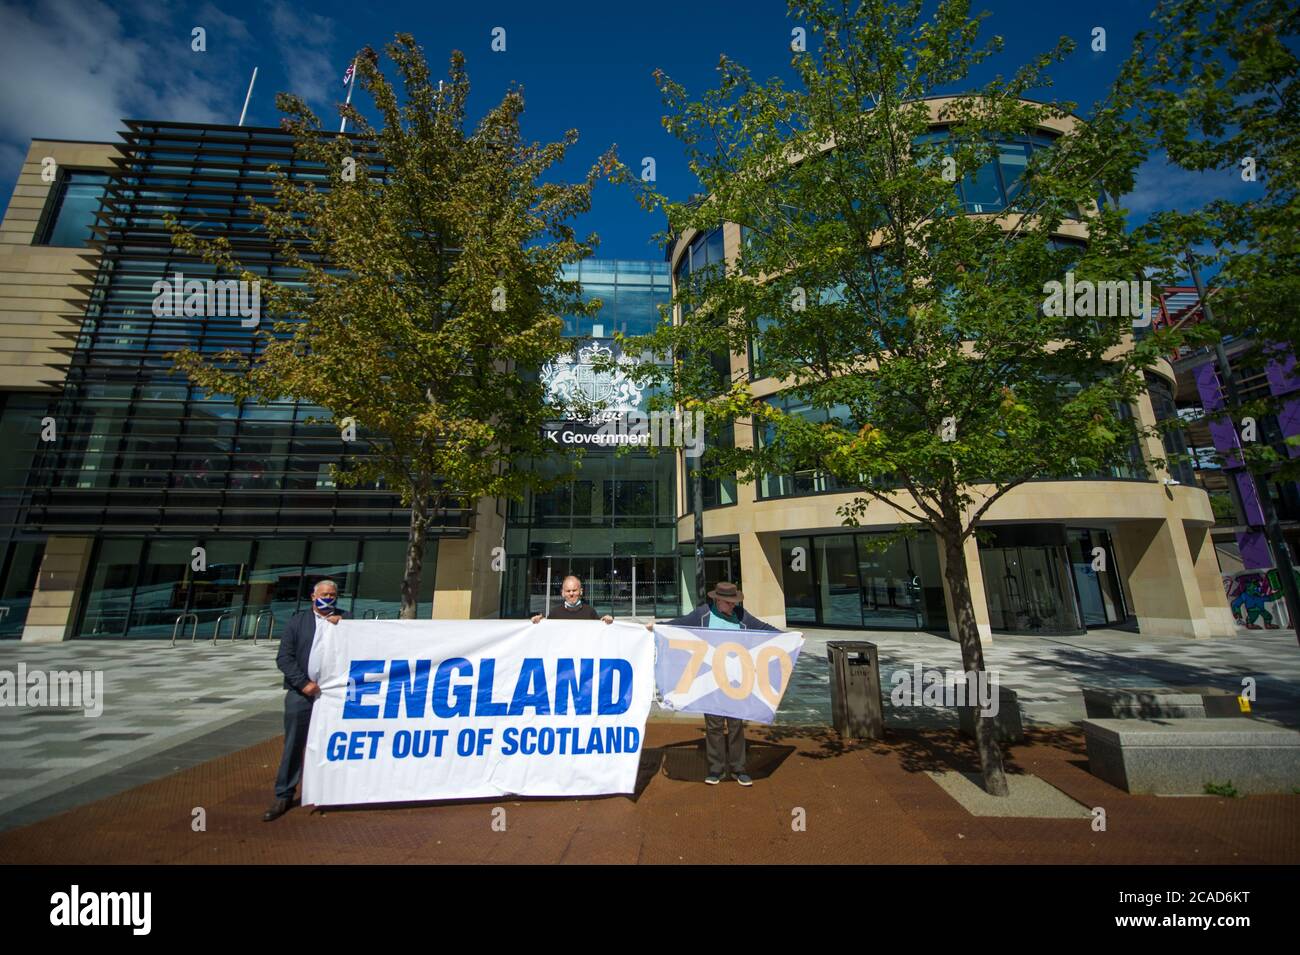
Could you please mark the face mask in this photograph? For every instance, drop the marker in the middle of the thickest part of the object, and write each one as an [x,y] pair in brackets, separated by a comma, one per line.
[325,603]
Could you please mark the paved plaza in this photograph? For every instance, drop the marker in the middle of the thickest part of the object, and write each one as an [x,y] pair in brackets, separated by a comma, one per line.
[815,800]
[169,709]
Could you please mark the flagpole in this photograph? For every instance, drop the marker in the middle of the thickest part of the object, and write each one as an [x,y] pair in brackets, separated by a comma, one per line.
[347,102]
[243,112]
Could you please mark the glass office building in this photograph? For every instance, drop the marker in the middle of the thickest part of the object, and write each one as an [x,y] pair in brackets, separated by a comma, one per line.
[149,467]
[613,522]
[146,468]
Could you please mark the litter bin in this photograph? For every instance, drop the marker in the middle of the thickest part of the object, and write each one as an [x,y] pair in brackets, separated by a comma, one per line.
[857,710]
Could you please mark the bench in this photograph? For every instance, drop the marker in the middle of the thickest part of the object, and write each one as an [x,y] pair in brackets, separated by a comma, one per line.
[1160,702]
[1178,757]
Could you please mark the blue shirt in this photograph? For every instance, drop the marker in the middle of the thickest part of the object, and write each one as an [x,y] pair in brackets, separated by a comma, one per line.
[718,622]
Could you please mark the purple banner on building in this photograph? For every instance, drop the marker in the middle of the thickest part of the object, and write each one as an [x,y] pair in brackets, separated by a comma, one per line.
[1252,510]
[1281,371]
[1208,387]
[1253,546]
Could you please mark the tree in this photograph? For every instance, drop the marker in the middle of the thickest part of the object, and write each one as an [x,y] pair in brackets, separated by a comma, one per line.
[425,287]
[921,331]
[1216,81]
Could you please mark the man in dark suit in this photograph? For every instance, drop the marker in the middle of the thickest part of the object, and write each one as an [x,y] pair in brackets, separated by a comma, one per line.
[295,651]
[724,736]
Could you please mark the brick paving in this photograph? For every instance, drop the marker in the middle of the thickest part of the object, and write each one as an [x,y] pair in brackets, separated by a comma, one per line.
[199,726]
[863,803]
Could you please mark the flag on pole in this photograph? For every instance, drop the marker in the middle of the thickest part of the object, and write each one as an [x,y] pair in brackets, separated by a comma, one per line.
[347,81]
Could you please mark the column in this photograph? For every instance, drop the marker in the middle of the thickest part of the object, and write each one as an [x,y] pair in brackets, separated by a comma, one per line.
[59,584]
[763,586]
[1169,590]
[468,579]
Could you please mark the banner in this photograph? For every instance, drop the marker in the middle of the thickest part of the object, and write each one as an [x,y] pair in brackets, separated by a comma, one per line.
[740,673]
[457,709]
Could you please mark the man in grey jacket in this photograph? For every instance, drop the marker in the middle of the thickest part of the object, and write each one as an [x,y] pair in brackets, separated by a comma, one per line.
[724,736]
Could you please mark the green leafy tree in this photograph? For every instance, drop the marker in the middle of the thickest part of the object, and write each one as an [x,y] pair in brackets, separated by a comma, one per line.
[426,286]
[1216,83]
[863,285]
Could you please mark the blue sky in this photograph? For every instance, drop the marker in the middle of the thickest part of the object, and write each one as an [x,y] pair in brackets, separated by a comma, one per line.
[74,68]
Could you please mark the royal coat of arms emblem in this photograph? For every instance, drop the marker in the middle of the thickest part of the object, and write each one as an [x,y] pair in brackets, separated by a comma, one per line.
[581,392]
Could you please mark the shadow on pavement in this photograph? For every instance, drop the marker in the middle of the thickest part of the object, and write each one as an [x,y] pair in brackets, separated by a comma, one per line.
[686,762]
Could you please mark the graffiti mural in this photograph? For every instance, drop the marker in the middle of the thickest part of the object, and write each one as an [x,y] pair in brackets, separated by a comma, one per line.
[1256,595]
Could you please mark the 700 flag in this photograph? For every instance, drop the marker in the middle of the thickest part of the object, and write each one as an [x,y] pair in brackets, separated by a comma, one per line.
[740,673]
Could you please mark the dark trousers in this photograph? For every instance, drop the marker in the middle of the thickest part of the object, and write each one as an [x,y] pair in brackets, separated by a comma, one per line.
[297,717]
[724,744]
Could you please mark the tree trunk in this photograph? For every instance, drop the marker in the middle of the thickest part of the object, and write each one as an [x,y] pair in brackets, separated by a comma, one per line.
[972,658]
[414,555]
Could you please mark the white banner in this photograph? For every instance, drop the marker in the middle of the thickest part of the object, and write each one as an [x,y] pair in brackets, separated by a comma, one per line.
[457,709]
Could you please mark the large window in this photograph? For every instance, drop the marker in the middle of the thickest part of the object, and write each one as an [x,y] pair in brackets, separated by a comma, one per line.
[850,580]
[71,212]
[806,480]
[138,588]
[1172,434]
[629,292]
[996,184]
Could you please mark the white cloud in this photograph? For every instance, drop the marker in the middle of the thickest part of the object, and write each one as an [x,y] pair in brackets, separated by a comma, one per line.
[303,42]
[76,68]
[74,72]
[1161,186]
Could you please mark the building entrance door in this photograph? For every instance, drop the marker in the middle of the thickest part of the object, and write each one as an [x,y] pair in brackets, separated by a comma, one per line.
[643,585]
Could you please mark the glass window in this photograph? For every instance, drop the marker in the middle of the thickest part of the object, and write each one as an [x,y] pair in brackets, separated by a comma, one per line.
[220,587]
[980,190]
[74,202]
[337,561]
[274,583]
[800,590]
[18,584]
[1012,160]
[891,592]
[379,589]
[839,589]
[112,582]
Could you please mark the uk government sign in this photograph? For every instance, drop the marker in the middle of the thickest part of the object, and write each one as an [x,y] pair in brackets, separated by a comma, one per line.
[602,406]
[442,709]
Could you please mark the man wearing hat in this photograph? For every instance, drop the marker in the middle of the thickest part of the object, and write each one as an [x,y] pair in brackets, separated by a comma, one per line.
[724,736]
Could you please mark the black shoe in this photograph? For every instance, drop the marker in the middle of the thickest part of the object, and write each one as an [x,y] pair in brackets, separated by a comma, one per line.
[278,809]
